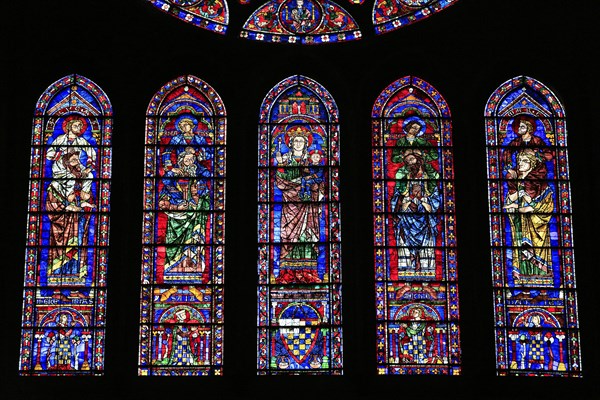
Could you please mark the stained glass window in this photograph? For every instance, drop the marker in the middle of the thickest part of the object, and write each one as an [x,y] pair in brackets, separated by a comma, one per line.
[301,21]
[531,233]
[299,266]
[414,227]
[389,15]
[208,14]
[181,329]
[64,299]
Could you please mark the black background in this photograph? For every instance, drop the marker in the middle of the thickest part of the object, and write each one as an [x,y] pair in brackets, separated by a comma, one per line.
[130,50]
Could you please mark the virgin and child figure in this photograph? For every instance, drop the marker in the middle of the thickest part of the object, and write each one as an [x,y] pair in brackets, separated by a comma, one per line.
[300,180]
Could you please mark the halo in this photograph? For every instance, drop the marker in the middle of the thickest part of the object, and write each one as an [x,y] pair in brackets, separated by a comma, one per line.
[523,117]
[75,117]
[59,314]
[186,117]
[298,130]
[418,120]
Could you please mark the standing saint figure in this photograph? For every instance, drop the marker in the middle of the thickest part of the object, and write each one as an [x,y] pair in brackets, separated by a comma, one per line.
[525,126]
[529,204]
[301,184]
[415,200]
[412,130]
[184,197]
[69,196]
[187,135]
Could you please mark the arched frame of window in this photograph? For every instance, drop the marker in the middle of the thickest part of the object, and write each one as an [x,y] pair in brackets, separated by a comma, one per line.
[210,15]
[479,48]
[531,232]
[181,330]
[299,260]
[64,299]
[388,16]
[302,22]
[416,282]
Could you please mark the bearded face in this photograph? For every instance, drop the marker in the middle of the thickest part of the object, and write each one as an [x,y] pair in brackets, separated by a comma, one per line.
[414,164]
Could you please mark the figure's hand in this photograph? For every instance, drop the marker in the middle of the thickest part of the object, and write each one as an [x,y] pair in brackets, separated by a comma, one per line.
[405,203]
[73,207]
[511,174]
[526,209]
[278,157]
[426,205]
[511,207]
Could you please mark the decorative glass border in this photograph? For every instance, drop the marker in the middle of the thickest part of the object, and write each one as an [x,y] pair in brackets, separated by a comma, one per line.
[212,15]
[535,298]
[416,282]
[64,300]
[299,279]
[182,315]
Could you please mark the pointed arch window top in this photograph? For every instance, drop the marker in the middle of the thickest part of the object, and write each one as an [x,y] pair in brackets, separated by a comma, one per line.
[73,94]
[309,98]
[190,90]
[411,92]
[537,97]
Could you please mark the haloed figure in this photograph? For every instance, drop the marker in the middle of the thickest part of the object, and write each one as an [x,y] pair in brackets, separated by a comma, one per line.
[301,183]
[529,204]
[68,197]
[63,344]
[184,197]
[416,199]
